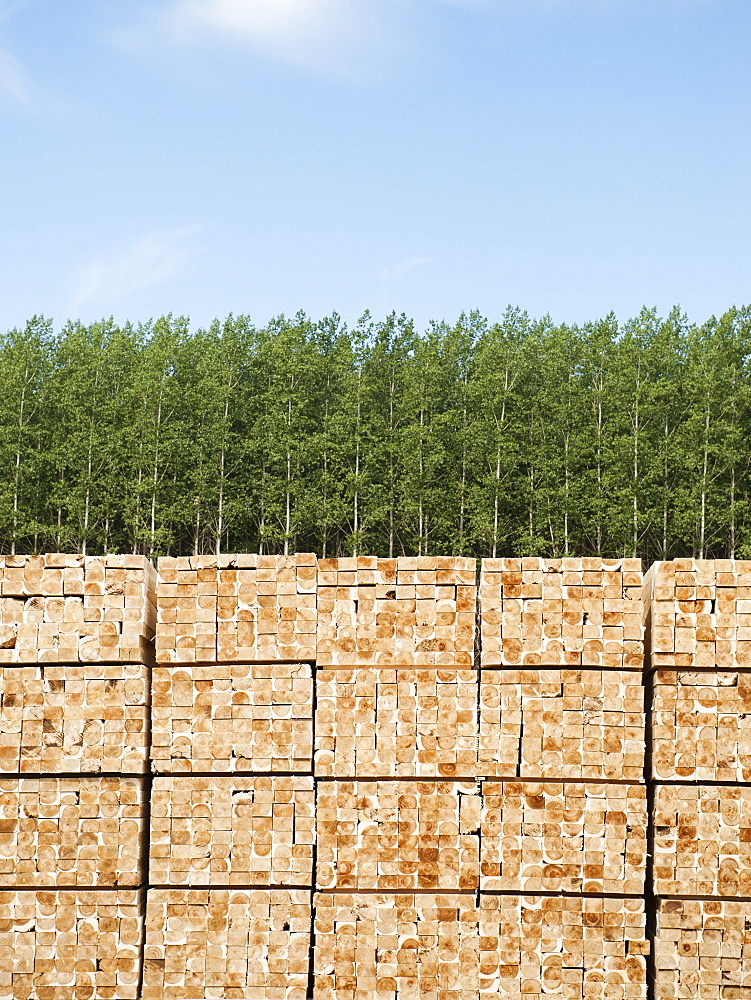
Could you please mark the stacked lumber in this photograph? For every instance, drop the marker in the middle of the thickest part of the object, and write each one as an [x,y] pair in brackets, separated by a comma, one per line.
[703,949]
[392,722]
[397,835]
[702,841]
[561,723]
[223,831]
[403,612]
[203,943]
[396,947]
[227,717]
[444,946]
[70,945]
[70,832]
[562,612]
[68,609]
[570,837]
[246,608]
[701,725]
[83,718]
[535,947]
[701,613]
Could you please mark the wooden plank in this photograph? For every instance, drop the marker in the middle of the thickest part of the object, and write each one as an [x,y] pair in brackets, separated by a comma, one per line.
[562,612]
[236,608]
[70,831]
[398,835]
[703,949]
[701,725]
[230,717]
[65,945]
[561,723]
[207,943]
[61,718]
[570,837]
[396,722]
[221,831]
[702,840]
[390,947]
[397,612]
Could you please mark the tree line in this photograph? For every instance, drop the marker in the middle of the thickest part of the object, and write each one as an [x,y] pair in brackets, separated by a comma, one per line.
[479,438]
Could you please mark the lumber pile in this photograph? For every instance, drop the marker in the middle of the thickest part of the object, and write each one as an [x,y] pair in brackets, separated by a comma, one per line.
[206,943]
[70,945]
[221,831]
[396,722]
[703,949]
[446,946]
[701,725]
[701,613]
[68,609]
[403,612]
[398,835]
[83,718]
[561,723]
[562,612]
[702,840]
[232,717]
[236,608]
[70,832]
[563,837]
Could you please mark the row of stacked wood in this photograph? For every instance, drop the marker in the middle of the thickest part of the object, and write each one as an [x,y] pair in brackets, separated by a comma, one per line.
[364,778]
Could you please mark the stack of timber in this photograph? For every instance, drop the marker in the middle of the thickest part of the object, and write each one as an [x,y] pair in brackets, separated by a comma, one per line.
[701,613]
[236,608]
[232,831]
[70,945]
[70,609]
[570,837]
[232,717]
[403,612]
[390,722]
[561,723]
[703,949]
[562,612]
[62,718]
[207,943]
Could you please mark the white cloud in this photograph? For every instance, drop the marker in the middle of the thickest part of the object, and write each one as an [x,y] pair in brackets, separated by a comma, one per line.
[14,83]
[154,258]
[394,271]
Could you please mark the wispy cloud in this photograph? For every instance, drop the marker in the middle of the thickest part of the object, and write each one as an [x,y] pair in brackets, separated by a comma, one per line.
[14,83]
[151,259]
[394,271]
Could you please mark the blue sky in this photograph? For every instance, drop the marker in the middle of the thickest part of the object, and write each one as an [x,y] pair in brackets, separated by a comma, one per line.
[202,157]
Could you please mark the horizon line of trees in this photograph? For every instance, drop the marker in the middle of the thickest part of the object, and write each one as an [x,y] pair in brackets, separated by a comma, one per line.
[516,437]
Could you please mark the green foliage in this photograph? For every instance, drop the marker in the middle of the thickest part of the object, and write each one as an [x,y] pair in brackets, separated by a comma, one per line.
[478,438]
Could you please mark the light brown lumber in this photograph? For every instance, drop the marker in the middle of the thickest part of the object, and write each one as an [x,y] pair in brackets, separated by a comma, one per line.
[398,835]
[570,837]
[396,722]
[232,717]
[396,947]
[69,609]
[70,832]
[76,945]
[221,831]
[222,943]
[701,725]
[702,840]
[61,718]
[567,947]
[561,723]
[701,613]
[236,608]
[703,950]
[409,611]
[562,612]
